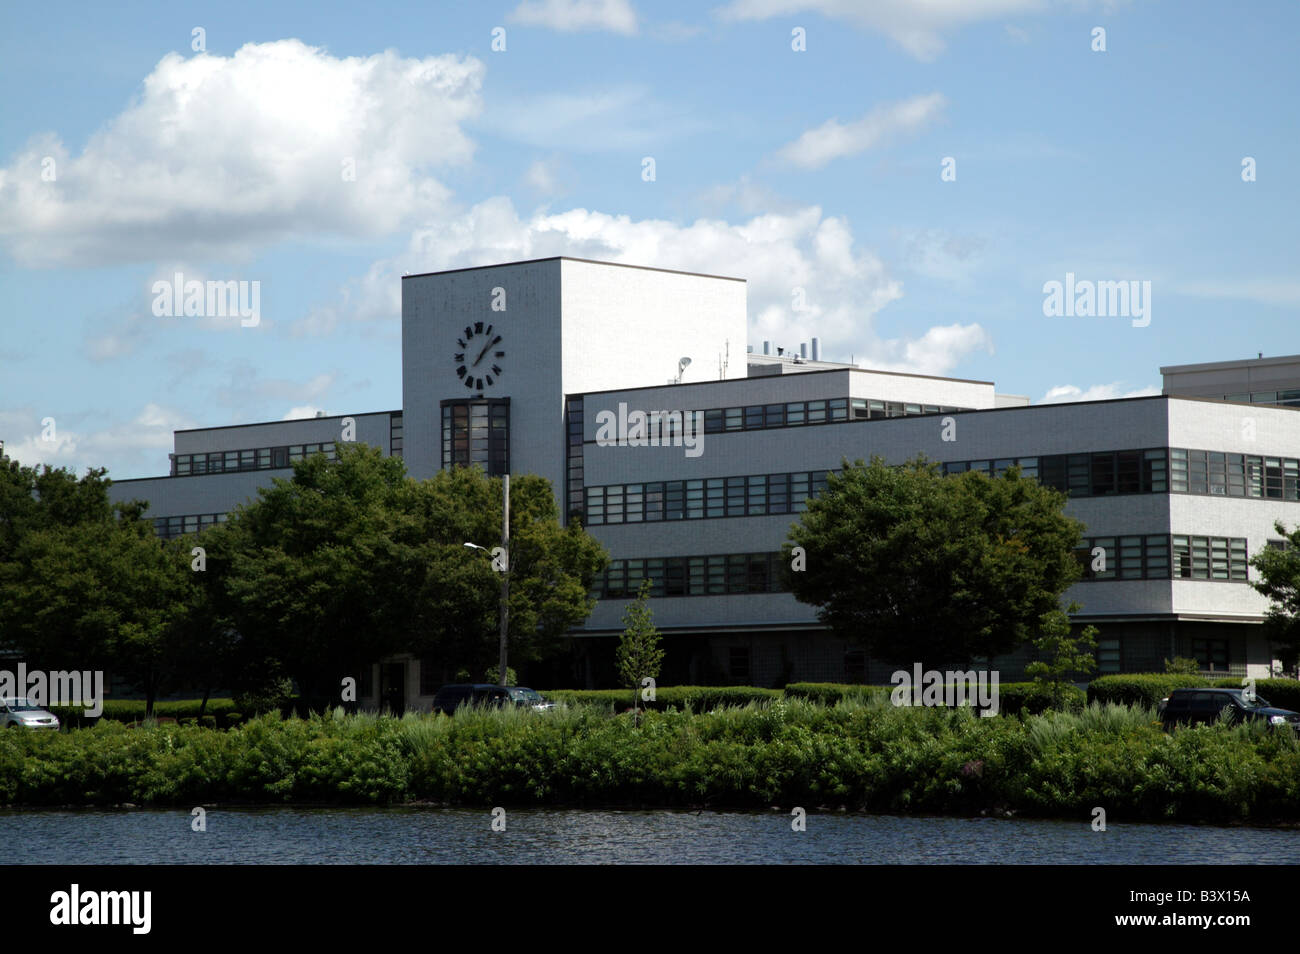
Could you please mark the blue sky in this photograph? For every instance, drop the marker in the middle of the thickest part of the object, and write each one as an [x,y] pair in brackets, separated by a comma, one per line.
[127,156]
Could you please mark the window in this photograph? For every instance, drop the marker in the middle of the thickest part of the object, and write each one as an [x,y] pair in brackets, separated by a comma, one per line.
[395,435]
[738,663]
[476,432]
[1210,558]
[1211,654]
[1108,656]
[714,575]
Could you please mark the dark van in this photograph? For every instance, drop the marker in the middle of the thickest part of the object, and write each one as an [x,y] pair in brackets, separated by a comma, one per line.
[1202,707]
[449,698]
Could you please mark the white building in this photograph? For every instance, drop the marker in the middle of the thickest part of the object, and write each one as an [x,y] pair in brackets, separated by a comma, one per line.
[523,366]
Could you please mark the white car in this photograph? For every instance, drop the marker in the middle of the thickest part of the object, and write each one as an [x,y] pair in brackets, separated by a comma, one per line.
[19,712]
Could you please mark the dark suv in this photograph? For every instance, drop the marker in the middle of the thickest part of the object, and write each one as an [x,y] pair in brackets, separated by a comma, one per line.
[449,698]
[1202,707]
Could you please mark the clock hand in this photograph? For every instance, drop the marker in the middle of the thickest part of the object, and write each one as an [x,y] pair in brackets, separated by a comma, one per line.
[486,347]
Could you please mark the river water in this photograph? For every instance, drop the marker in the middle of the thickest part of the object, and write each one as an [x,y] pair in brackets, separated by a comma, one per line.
[556,836]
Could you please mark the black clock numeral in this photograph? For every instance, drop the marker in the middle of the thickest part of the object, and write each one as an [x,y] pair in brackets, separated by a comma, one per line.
[495,369]
[478,327]
[489,379]
[458,357]
[480,384]
[469,382]
[499,354]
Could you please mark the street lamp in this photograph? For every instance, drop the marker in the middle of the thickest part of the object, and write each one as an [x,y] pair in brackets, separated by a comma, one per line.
[504,571]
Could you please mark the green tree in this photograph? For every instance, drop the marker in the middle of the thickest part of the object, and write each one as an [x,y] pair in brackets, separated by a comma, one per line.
[1279,570]
[351,561]
[926,567]
[87,585]
[1065,653]
[1182,666]
[639,653]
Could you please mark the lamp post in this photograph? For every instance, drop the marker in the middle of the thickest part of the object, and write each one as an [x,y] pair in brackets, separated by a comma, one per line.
[504,570]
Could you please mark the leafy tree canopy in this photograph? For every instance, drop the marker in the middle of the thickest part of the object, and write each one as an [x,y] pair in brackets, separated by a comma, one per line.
[923,567]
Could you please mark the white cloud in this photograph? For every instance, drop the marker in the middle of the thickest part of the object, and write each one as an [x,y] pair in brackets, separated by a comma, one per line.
[842,287]
[125,447]
[218,154]
[918,26]
[548,178]
[605,119]
[569,16]
[1069,393]
[940,254]
[302,411]
[745,196]
[835,140]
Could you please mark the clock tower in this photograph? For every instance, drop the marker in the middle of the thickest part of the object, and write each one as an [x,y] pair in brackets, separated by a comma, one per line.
[489,354]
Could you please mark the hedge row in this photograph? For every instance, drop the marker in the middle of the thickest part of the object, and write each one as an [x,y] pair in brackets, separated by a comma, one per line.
[222,712]
[879,759]
[689,698]
[1013,697]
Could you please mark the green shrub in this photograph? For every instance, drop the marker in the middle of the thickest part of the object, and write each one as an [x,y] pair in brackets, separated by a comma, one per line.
[1013,697]
[275,696]
[829,693]
[689,698]
[133,710]
[858,753]
[1146,688]
[1282,693]
[1033,698]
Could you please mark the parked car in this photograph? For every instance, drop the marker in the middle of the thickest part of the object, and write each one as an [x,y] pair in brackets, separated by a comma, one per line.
[15,713]
[449,698]
[1202,707]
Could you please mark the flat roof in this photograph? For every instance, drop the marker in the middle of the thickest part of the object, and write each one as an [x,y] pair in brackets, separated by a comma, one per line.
[292,420]
[570,258]
[1242,363]
[786,377]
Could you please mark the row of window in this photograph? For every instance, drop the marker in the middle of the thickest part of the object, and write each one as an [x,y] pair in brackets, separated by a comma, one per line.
[713,575]
[1160,557]
[799,413]
[169,527]
[257,458]
[1289,398]
[1234,475]
[1106,473]
[710,497]
[1210,654]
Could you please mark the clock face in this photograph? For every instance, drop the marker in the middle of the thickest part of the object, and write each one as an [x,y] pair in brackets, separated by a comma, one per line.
[478,356]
